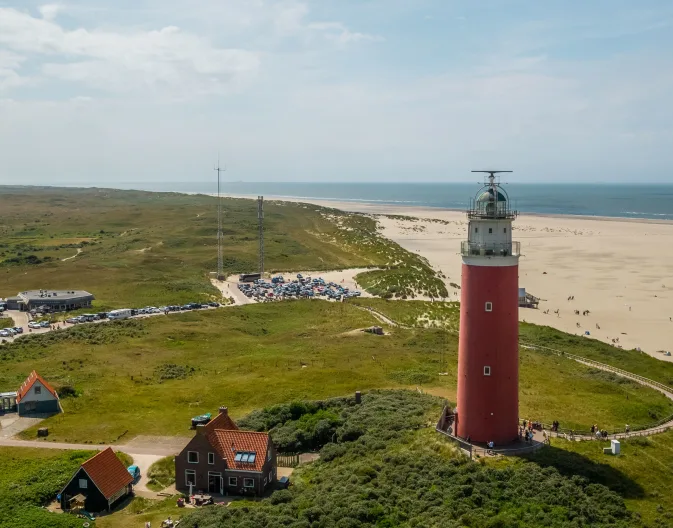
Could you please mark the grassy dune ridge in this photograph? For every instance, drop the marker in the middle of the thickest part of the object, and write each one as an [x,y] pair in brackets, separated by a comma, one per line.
[145,248]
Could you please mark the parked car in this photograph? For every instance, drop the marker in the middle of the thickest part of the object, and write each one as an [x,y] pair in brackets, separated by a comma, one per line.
[135,472]
[18,329]
[5,333]
[71,320]
[201,419]
[34,325]
[45,324]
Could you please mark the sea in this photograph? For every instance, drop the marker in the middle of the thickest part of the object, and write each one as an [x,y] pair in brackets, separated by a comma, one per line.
[651,201]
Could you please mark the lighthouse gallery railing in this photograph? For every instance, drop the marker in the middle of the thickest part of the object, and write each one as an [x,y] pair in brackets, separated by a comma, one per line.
[469,249]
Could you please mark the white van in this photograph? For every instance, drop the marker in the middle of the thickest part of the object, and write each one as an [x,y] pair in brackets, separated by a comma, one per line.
[119,314]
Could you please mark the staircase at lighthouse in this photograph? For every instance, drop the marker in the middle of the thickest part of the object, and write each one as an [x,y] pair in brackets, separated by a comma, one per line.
[488,352]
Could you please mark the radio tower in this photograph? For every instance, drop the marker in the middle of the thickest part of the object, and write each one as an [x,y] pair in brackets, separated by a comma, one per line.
[220,270]
[260,218]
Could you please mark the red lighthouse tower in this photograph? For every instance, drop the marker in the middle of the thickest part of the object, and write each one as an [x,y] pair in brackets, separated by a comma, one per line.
[488,353]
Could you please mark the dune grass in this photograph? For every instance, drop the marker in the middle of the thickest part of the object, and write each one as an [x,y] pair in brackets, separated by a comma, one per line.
[447,315]
[161,474]
[6,322]
[641,473]
[151,376]
[141,248]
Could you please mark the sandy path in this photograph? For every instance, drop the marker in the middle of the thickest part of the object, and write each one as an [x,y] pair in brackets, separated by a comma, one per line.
[79,250]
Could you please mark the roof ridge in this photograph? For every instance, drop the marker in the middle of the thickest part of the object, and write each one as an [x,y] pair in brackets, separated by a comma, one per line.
[99,453]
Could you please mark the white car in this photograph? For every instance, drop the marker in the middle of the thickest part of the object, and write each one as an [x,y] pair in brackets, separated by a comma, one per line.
[34,325]
[5,333]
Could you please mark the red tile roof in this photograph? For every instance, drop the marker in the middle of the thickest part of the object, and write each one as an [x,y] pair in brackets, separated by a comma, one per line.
[228,442]
[107,472]
[221,421]
[30,381]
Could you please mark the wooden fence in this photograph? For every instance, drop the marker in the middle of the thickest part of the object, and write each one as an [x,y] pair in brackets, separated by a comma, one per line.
[289,460]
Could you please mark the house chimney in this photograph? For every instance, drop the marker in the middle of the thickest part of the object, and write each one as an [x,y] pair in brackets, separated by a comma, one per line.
[358,397]
[200,429]
[224,410]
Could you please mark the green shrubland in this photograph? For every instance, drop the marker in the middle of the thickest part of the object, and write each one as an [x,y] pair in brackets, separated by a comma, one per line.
[396,473]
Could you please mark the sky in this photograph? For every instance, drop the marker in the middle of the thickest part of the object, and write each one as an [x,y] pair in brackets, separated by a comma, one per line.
[99,92]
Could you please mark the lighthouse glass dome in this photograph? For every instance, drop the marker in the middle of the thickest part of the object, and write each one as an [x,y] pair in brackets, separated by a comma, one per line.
[491,202]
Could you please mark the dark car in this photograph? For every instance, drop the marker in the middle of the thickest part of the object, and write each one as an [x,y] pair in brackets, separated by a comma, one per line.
[202,419]
[214,304]
[102,315]
[18,330]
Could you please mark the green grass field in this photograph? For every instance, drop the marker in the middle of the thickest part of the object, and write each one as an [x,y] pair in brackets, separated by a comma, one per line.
[447,315]
[150,376]
[140,248]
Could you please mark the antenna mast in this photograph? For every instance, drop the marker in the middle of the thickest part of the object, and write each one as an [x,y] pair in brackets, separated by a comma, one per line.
[220,269]
[260,218]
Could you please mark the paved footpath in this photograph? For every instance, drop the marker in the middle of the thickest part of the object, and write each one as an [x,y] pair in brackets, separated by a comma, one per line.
[666,391]
[157,450]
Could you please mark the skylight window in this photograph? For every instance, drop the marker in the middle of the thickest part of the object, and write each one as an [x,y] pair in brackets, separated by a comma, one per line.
[245,457]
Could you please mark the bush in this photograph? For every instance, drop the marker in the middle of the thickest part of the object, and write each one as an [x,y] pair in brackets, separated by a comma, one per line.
[409,484]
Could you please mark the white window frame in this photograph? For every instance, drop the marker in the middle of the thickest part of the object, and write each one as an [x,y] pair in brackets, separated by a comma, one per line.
[38,389]
[187,473]
[271,476]
[211,456]
[265,481]
[83,484]
[233,481]
[487,370]
[246,480]
[488,306]
[268,455]
[189,458]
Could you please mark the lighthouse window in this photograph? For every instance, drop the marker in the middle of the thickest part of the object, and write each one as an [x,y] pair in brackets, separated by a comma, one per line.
[487,371]
[476,229]
[488,307]
[490,230]
[504,230]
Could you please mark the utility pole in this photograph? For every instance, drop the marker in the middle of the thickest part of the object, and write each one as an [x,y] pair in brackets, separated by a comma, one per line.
[260,218]
[220,268]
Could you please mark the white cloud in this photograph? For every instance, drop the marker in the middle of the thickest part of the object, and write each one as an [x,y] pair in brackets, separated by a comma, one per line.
[341,34]
[168,59]
[49,11]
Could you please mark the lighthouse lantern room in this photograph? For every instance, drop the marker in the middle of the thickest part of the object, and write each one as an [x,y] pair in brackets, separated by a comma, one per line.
[488,355]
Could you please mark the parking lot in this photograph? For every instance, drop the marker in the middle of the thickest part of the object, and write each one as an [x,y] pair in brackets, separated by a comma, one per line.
[44,325]
[299,287]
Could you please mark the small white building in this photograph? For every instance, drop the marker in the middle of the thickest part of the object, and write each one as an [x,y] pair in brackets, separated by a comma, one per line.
[36,396]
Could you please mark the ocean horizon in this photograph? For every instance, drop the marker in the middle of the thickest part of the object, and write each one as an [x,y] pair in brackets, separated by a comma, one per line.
[649,201]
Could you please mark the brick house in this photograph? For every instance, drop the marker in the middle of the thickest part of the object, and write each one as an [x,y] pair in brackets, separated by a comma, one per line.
[223,459]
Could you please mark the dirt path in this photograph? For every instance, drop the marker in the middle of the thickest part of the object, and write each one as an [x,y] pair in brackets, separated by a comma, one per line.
[143,462]
[79,250]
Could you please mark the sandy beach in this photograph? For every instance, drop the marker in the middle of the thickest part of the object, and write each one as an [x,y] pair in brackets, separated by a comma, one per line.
[620,270]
